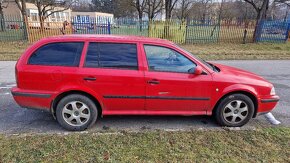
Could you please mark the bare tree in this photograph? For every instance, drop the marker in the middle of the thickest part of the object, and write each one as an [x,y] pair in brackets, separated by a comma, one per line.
[169,6]
[286,2]
[139,5]
[21,4]
[261,8]
[201,9]
[3,4]
[48,7]
[122,8]
[153,7]
[184,7]
[82,6]
[205,7]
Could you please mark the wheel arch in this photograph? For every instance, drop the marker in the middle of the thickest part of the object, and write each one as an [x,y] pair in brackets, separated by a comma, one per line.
[56,100]
[247,93]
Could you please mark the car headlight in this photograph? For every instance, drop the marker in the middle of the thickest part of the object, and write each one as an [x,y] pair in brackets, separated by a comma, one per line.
[272,91]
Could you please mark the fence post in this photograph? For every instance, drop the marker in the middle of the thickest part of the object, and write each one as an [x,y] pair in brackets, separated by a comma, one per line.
[109,27]
[149,27]
[287,33]
[25,29]
[2,22]
[219,26]
[186,28]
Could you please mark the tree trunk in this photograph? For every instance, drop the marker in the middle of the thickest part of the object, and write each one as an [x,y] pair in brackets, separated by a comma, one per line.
[140,21]
[258,23]
[2,21]
[261,15]
[41,22]
[24,19]
[168,4]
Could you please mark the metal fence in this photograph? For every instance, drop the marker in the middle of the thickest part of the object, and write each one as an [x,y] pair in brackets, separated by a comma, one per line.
[204,31]
[273,31]
[181,32]
[12,28]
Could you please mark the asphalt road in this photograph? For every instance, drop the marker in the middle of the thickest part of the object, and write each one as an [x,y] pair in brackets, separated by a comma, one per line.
[14,119]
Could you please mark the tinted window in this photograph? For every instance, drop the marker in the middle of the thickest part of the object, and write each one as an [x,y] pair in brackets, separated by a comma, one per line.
[58,54]
[168,60]
[112,55]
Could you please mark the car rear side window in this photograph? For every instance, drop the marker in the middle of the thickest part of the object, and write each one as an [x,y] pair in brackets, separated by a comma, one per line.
[112,55]
[58,54]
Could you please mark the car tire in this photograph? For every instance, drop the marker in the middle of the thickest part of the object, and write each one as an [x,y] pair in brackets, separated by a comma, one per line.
[234,110]
[76,112]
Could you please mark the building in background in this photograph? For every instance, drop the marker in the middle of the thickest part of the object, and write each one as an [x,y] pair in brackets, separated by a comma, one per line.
[92,17]
[32,13]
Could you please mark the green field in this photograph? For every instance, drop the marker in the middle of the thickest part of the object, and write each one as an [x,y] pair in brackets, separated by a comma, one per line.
[168,30]
[261,145]
[251,51]
[129,30]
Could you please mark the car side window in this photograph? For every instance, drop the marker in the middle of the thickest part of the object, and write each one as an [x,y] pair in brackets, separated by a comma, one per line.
[167,60]
[112,55]
[58,54]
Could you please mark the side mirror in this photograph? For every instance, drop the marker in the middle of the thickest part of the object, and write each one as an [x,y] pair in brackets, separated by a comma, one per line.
[198,70]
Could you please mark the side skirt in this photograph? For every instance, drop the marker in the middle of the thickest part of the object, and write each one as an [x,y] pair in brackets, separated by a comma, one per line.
[146,112]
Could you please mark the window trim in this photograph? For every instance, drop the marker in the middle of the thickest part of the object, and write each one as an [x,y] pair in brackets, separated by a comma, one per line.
[148,66]
[115,68]
[55,42]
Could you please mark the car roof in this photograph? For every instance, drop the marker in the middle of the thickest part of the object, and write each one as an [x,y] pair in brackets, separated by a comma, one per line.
[111,37]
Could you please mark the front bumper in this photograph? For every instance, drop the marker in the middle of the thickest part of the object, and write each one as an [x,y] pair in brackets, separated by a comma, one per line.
[267,103]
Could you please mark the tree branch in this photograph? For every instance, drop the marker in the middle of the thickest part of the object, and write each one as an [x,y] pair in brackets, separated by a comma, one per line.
[18,4]
[253,4]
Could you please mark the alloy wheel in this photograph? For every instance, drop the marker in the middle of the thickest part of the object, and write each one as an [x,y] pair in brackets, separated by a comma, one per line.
[76,113]
[235,111]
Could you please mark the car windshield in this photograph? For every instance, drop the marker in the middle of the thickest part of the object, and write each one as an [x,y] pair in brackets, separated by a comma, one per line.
[209,65]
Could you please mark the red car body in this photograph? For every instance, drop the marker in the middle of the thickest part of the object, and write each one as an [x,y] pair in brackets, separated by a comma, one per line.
[127,92]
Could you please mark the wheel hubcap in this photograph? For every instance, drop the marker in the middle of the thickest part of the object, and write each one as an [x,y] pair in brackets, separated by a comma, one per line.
[76,113]
[235,111]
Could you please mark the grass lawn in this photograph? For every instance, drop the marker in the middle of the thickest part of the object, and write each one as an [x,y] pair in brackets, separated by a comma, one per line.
[10,51]
[262,145]
[130,30]
[249,51]
[176,32]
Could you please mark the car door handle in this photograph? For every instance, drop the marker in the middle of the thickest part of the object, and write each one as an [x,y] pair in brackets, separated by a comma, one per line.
[153,81]
[90,78]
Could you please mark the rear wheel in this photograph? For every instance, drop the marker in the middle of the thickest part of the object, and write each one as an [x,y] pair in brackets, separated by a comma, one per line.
[234,110]
[76,112]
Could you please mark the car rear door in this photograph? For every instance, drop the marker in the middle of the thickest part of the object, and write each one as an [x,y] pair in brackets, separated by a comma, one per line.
[50,66]
[112,70]
[170,87]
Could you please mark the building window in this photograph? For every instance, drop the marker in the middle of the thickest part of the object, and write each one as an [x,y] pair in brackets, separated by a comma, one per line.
[33,17]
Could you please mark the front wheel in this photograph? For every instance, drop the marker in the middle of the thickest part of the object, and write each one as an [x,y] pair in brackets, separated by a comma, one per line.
[235,110]
[76,112]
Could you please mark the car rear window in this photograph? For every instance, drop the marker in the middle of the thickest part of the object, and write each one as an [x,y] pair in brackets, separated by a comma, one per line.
[58,54]
[112,55]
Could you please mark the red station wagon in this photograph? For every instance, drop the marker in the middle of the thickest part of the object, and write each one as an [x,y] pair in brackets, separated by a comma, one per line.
[82,77]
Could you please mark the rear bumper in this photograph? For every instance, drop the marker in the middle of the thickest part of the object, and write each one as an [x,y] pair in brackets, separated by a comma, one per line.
[266,104]
[32,99]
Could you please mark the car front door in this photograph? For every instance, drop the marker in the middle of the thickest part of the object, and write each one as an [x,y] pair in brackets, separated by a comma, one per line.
[111,70]
[171,86]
